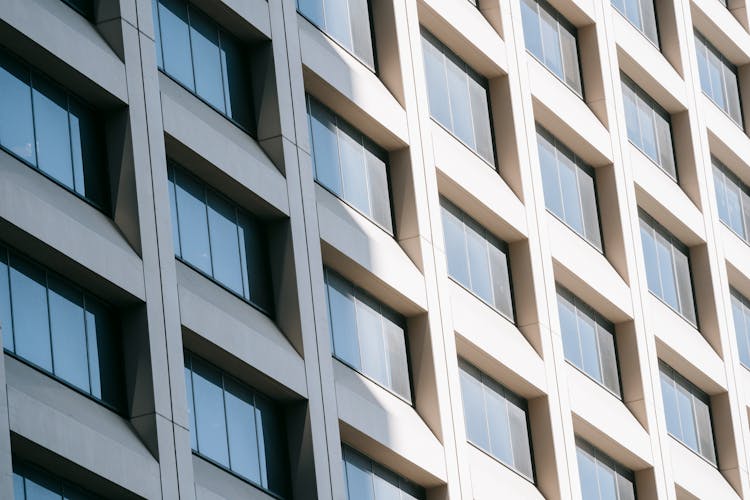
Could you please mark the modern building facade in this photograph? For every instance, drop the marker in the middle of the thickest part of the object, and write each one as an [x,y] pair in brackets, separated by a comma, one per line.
[365,250]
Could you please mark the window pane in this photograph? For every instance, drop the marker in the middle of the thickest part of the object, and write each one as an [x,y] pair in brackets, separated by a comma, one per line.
[18,491]
[569,49]
[648,131]
[30,314]
[173,212]
[191,407]
[395,346]
[191,210]
[204,40]
[379,194]
[739,313]
[550,176]
[664,137]
[587,475]
[337,21]
[6,319]
[157,32]
[705,433]
[370,332]
[68,333]
[16,126]
[358,477]
[520,435]
[209,412]
[608,360]
[499,425]
[458,91]
[590,354]
[455,247]
[313,10]
[687,423]
[41,487]
[359,16]
[650,258]
[625,488]
[631,115]
[685,286]
[225,250]
[88,153]
[672,415]
[325,147]
[500,280]
[569,188]
[243,440]
[437,85]
[478,262]
[103,339]
[703,71]
[733,95]
[343,320]
[733,207]
[175,41]
[480,112]
[532,35]
[569,331]
[717,84]
[649,21]
[52,131]
[551,41]
[385,484]
[270,423]
[237,88]
[254,257]
[666,272]
[607,482]
[588,207]
[353,171]
[474,410]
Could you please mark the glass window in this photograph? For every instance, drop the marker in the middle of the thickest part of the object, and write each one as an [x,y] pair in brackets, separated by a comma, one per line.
[235,427]
[667,268]
[346,21]
[367,335]
[85,7]
[551,39]
[33,483]
[569,187]
[588,340]
[59,328]
[458,97]
[642,15]
[601,477]
[732,199]
[741,315]
[718,78]
[496,420]
[649,126]
[51,130]
[204,58]
[476,259]
[216,237]
[368,480]
[688,413]
[349,164]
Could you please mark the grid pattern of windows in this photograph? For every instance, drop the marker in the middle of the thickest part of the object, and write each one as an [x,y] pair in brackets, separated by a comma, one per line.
[551,39]
[569,187]
[52,130]
[649,126]
[588,340]
[601,477]
[688,413]
[458,96]
[219,239]
[476,259]
[204,58]
[235,427]
[741,315]
[718,78]
[55,326]
[32,483]
[732,199]
[368,480]
[496,420]
[667,268]
[346,21]
[349,164]
[367,335]
[641,14]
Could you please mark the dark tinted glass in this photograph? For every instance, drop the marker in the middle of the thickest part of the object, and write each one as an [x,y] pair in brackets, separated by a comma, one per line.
[33,483]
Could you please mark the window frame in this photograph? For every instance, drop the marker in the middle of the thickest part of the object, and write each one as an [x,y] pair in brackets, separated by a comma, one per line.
[575,301]
[347,449]
[727,176]
[427,37]
[561,148]
[278,407]
[27,466]
[411,401]
[106,208]
[678,380]
[656,43]
[655,108]
[744,302]
[119,407]
[709,48]
[250,129]
[239,210]
[393,232]
[600,457]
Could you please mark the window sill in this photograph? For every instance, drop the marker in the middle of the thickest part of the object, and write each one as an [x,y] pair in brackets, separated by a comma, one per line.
[224,287]
[579,235]
[235,474]
[514,471]
[210,106]
[678,441]
[575,92]
[694,326]
[368,377]
[469,148]
[511,320]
